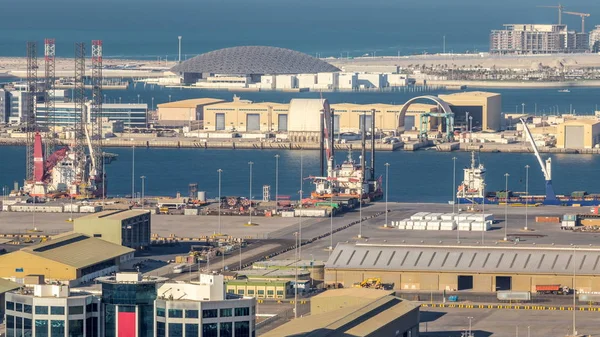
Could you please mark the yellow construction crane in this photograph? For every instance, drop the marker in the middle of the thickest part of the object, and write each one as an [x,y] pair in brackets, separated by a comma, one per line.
[560,11]
[583,16]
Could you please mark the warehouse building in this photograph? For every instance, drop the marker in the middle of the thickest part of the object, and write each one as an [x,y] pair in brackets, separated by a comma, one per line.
[246,116]
[260,288]
[482,110]
[474,268]
[354,312]
[578,134]
[129,228]
[184,111]
[70,258]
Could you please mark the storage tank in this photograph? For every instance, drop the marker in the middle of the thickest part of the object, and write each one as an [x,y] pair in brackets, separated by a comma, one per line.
[202,196]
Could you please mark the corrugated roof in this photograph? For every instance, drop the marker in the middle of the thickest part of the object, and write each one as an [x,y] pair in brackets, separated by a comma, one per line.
[189,103]
[581,121]
[513,259]
[6,285]
[352,320]
[470,94]
[116,214]
[77,250]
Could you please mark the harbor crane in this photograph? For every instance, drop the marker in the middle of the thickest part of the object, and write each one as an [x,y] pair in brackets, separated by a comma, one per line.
[561,8]
[583,16]
[546,168]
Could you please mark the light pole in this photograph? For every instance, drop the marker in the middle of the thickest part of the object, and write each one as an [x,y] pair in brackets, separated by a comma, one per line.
[119,100]
[454,186]
[331,223]
[301,186]
[169,97]
[574,292]
[152,106]
[220,171]
[250,207]
[470,326]
[132,171]
[143,186]
[179,38]
[360,200]
[276,183]
[470,123]
[506,175]
[523,108]
[526,195]
[138,95]
[387,171]
[296,277]
[467,120]
[299,233]
[483,214]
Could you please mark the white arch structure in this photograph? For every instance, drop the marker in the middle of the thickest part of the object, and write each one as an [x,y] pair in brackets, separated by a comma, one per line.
[441,103]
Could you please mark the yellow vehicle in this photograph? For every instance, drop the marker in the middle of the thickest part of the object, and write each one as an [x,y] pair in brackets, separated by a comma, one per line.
[371,283]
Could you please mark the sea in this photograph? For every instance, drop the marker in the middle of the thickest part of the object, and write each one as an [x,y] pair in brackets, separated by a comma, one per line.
[148,30]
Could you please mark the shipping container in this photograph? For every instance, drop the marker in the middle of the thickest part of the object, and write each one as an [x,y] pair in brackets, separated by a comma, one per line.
[593,298]
[547,219]
[590,222]
[570,217]
[508,295]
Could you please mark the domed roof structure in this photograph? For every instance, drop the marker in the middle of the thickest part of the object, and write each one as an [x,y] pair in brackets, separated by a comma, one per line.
[248,60]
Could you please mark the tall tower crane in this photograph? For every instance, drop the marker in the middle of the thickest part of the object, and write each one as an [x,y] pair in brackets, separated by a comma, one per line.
[560,11]
[583,16]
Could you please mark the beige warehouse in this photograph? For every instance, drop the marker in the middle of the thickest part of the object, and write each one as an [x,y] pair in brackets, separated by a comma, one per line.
[246,116]
[484,107]
[185,110]
[449,268]
[578,134]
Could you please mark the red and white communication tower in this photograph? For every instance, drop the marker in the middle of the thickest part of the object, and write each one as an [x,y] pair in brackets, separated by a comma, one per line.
[50,63]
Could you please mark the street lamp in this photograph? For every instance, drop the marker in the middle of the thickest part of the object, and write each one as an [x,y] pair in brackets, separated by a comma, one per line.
[220,171]
[523,108]
[470,123]
[506,175]
[138,95]
[169,97]
[276,183]
[574,292]
[526,195]
[387,169]
[250,207]
[119,100]
[132,170]
[143,186]
[483,214]
[296,277]
[152,106]
[467,120]
[470,326]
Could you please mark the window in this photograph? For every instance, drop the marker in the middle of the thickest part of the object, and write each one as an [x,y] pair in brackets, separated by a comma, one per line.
[175,330]
[191,314]
[41,310]
[240,291]
[57,328]
[250,291]
[91,327]
[160,329]
[210,313]
[210,330]
[19,307]
[242,311]
[160,312]
[279,292]
[27,308]
[10,305]
[226,329]
[176,313]
[226,313]
[76,327]
[76,310]
[269,292]
[242,329]
[41,327]
[57,311]
[261,292]
[231,291]
[191,330]
[92,307]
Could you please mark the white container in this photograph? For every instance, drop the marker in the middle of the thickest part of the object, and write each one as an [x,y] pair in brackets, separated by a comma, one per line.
[433,216]
[190,211]
[447,225]
[447,217]
[287,214]
[433,226]
[419,216]
[463,217]
[408,226]
[419,228]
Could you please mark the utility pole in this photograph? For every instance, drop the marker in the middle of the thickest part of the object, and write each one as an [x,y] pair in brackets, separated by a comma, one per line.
[179,38]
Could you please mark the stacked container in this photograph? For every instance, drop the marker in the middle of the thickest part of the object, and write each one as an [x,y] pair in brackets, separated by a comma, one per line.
[420,225]
[419,216]
[464,225]
[478,226]
[448,225]
[433,225]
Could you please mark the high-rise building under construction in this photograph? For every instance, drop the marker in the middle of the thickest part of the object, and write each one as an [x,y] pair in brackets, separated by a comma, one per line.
[537,39]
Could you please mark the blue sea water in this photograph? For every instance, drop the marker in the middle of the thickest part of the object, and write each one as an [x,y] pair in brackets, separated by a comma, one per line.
[149,28]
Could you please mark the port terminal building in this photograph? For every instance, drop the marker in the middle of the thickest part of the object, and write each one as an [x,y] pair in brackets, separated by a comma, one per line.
[482,110]
[464,268]
[129,228]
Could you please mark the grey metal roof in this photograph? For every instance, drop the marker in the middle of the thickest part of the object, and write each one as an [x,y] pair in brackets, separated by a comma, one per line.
[513,259]
[246,60]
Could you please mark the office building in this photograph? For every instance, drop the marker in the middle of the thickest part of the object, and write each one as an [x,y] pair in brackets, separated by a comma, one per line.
[128,304]
[354,312]
[536,39]
[6,286]
[4,105]
[129,228]
[52,310]
[131,114]
[19,107]
[203,309]
[594,40]
[71,258]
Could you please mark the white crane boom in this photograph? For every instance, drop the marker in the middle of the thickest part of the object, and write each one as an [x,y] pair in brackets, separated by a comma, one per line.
[545,170]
